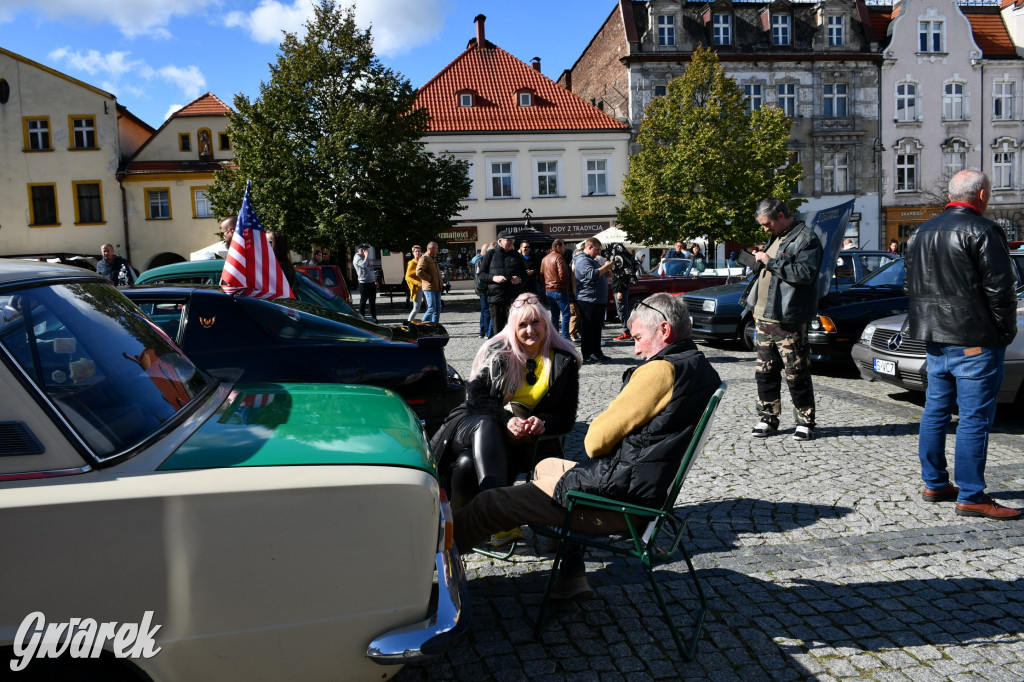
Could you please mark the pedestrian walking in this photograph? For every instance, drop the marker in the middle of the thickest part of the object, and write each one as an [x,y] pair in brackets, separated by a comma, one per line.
[429,274]
[963,305]
[480,288]
[413,282]
[557,284]
[783,297]
[367,276]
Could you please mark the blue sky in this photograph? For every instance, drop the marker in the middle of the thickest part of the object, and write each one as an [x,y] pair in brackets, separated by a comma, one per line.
[157,55]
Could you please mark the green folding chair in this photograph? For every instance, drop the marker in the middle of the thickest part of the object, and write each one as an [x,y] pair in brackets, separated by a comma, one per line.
[646,526]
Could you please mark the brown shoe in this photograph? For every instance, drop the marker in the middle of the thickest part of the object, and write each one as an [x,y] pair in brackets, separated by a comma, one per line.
[988,508]
[946,493]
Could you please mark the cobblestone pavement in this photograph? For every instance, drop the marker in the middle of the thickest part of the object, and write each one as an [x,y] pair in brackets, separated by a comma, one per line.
[819,559]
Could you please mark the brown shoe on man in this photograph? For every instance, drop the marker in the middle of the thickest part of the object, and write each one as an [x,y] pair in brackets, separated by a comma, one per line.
[988,508]
[946,493]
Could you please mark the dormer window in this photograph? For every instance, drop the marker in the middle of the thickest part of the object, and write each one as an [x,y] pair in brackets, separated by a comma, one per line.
[526,99]
[466,99]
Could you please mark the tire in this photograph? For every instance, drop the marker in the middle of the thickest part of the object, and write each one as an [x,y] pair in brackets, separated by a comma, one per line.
[747,333]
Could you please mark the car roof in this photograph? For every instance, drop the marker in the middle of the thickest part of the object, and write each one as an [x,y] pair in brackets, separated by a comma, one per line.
[185,268]
[24,271]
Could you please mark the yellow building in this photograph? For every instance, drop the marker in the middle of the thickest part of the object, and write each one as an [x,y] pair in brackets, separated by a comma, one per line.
[61,143]
[165,183]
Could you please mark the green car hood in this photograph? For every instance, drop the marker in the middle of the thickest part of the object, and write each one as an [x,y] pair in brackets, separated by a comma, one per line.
[306,424]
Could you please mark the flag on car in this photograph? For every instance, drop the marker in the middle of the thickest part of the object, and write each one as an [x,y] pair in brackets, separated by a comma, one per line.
[251,269]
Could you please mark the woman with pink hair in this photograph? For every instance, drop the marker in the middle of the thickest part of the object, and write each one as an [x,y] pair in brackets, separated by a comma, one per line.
[528,367]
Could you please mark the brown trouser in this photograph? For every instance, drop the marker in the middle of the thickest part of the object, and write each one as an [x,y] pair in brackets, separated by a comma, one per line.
[574,320]
[508,507]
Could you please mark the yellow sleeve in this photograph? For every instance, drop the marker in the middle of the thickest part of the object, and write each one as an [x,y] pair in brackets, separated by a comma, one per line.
[646,394]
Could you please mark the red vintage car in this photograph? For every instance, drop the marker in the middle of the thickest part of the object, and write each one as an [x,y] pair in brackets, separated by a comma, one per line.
[679,276]
[327,276]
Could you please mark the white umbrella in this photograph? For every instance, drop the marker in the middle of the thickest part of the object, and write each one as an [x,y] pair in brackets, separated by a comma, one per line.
[616,234]
[211,252]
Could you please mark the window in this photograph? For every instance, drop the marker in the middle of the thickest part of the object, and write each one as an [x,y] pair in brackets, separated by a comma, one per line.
[83,132]
[201,204]
[159,203]
[906,102]
[834,100]
[953,108]
[184,142]
[753,93]
[781,29]
[596,172]
[952,163]
[545,173]
[37,133]
[42,205]
[5,91]
[1002,170]
[835,172]
[666,29]
[787,98]
[225,141]
[501,178]
[466,99]
[88,202]
[721,29]
[525,99]
[930,34]
[906,172]
[793,157]
[660,90]
[1002,100]
[835,31]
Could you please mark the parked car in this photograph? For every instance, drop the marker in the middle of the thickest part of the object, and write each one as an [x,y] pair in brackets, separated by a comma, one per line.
[237,338]
[208,272]
[716,312]
[682,275]
[254,531]
[885,353]
[329,277]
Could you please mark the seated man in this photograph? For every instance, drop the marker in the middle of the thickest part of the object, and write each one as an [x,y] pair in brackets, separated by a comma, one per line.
[634,446]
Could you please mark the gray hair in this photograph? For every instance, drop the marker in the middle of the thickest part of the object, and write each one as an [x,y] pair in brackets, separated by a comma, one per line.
[657,308]
[772,208]
[965,185]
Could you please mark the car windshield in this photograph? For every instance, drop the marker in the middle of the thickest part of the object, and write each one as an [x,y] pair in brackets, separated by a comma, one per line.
[297,321]
[673,267]
[114,376]
[889,275]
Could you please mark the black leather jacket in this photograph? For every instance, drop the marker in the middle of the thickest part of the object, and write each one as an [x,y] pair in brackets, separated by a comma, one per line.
[793,287]
[960,281]
[497,261]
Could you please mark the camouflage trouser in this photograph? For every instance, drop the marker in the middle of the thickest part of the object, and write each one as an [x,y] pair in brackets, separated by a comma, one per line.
[783,346]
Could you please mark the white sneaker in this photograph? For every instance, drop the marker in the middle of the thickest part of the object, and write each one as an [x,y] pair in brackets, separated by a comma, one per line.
[803,433]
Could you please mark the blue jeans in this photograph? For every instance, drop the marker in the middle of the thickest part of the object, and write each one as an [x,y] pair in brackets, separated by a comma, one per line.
[433,313]
[558,301]
[485,318]
[970,378]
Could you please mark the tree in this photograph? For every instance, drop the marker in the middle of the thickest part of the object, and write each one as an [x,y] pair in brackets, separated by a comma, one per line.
[333,146]
[705,161]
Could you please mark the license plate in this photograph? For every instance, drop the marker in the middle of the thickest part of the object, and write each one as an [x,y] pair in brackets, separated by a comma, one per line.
[885,367]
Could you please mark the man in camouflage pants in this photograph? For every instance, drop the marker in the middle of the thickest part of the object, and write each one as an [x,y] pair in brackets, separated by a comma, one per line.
[783,296]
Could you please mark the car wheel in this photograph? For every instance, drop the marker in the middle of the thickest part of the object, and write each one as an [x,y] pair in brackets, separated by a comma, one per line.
[747,334]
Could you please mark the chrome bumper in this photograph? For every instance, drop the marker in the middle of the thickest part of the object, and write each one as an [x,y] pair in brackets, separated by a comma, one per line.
[435,634]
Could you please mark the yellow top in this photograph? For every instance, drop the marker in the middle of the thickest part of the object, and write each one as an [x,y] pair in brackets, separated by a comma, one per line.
[639,401]
[530,395]
[411,279]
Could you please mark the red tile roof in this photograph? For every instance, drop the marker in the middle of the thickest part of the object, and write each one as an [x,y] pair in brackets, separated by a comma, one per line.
[990,32]
[206,105]
[495,78]
[880,20]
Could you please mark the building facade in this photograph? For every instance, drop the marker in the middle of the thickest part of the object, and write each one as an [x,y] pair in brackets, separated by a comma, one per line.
[817,61]
[61,146]
[531,147]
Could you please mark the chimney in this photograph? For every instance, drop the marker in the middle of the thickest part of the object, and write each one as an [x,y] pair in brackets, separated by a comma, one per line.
[535,63]
[481,42]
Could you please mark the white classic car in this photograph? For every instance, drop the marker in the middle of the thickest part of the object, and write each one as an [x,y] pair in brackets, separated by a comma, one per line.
[157,522]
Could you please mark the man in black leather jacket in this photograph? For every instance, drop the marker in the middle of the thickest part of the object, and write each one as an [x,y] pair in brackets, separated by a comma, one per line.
[783,296]
[963,305]
[503,271]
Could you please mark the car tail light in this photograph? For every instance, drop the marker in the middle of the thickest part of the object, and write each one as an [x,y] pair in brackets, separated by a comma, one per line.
[416,401]
[447,530]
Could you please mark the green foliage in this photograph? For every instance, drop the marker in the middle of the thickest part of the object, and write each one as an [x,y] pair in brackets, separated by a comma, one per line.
[705,162]
[333,146]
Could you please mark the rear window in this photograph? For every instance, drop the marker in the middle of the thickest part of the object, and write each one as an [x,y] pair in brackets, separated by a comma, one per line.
[294,321]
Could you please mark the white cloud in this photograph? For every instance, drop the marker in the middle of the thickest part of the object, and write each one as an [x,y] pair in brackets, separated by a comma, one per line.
[170,110]
[120,74]
[132,17]
[397,25]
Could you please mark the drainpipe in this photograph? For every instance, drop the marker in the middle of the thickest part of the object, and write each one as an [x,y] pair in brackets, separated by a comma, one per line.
[882,241]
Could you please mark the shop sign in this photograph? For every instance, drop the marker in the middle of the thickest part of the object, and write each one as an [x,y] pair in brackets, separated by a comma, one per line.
[458,234]
[576,229]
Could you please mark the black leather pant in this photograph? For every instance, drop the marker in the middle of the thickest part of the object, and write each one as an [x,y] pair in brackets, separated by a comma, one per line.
[482,458]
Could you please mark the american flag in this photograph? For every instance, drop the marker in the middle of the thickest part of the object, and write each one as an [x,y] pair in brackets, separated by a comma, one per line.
[251,269]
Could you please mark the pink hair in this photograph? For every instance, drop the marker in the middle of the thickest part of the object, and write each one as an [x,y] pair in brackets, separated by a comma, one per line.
[505,344]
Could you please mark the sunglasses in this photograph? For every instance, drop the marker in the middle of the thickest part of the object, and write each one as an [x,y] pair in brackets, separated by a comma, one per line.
[532,300]
[663,315]
[531,371]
